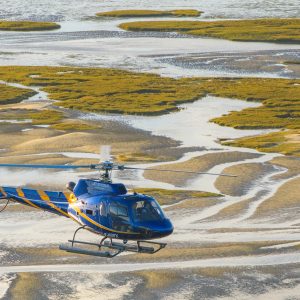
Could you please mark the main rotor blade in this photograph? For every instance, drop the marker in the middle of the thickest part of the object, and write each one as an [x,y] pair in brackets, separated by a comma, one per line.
[48,166]
[177,171]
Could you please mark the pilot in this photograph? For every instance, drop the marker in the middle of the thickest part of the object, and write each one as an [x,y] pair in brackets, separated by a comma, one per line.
[70,186]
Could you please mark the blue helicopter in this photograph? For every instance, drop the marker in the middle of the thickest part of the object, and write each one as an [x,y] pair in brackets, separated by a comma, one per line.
[102,207]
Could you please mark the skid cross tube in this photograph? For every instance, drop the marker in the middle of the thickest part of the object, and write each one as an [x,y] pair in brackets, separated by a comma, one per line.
[7,202]
[76,231]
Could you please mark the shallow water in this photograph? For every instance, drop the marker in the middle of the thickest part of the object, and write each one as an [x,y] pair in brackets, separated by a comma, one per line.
[48,10]
[84,41]
[191,124]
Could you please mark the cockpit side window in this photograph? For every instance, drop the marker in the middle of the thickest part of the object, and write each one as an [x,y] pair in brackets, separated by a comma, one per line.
[113,209]
[147,210]
[118,210]
[122,211]
[119,216]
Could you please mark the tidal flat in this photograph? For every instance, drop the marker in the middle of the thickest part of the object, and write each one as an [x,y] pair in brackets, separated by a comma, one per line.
[173,96]
[148,94]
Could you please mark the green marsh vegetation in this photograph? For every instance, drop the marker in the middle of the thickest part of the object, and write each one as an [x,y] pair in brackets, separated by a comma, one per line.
[45,117]
[27,25]
[105,90]
[167,197]
[11,95]
[291,62]
[74,126]
[118,91]
[136,157]
[150,13]
[269,30]
[56,119]
[286,142]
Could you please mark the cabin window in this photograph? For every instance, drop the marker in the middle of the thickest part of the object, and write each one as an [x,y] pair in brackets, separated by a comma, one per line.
[122,211]
[119,216]
[118,210]
[89,212]
[113,210]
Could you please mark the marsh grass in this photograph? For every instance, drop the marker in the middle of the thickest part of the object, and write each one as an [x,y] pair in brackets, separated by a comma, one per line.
[136,157]
[271,142]
[106,90]
[291,62]
[45,117]
[27,25]
[271,30]
[11,95]
[74,126]
[150,13]
[167,197]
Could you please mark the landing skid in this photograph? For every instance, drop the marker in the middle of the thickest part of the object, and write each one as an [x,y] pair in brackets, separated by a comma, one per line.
[5,206]
[115,248]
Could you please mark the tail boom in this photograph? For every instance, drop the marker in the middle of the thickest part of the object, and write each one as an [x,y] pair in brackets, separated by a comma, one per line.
[54,202]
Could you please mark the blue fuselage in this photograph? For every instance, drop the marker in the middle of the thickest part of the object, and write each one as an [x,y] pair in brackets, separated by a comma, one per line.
[104,208]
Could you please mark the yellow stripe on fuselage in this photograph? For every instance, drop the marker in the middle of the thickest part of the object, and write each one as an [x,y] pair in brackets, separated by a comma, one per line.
[2,191]
[46,198]
[22,195]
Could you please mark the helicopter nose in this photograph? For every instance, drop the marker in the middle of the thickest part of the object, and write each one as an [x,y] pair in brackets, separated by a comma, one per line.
[165,229]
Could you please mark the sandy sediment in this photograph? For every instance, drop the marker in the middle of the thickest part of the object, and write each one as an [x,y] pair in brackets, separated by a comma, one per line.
[198,164]
[247,175]
[123,139]
[291,163]
[283,206]
[231,211]
[192,204]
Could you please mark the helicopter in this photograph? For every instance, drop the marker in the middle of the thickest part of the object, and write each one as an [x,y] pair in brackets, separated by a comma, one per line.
[102,207]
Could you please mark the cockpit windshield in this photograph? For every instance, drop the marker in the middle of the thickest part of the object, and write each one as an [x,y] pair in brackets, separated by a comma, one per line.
[146,211]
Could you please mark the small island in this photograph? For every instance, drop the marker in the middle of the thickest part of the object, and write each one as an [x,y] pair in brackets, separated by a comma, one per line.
[259,30]
[27,25]
[150,13]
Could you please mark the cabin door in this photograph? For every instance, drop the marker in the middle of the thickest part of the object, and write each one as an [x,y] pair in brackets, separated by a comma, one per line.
[103,214]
